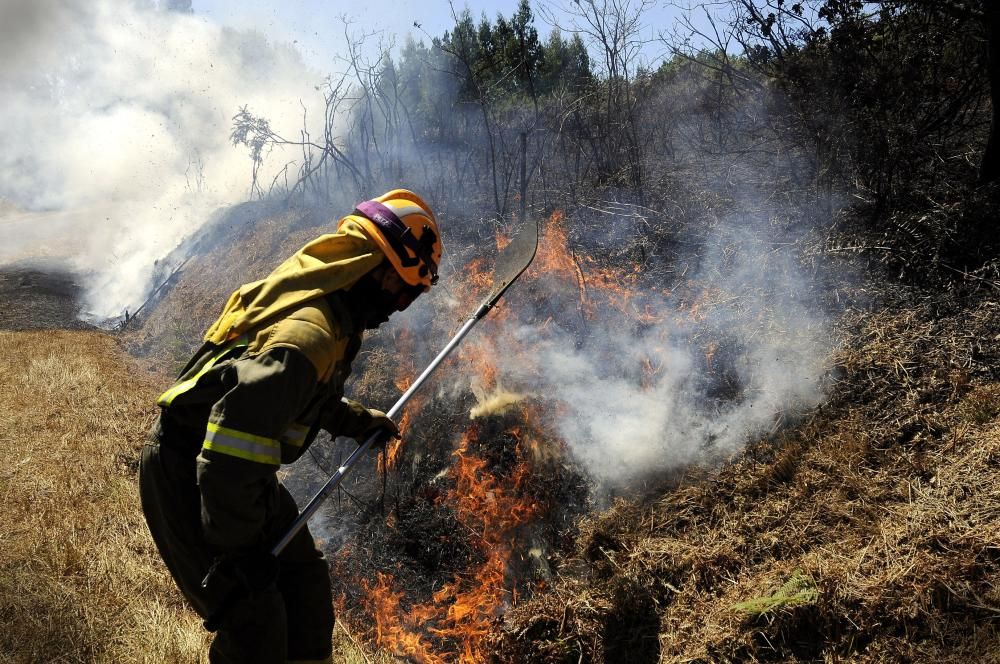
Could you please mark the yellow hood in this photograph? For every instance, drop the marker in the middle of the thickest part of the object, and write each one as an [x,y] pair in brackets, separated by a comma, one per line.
[328,263]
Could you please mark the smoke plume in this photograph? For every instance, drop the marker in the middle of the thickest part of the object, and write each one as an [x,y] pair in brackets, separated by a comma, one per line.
[115,130]
[734,350]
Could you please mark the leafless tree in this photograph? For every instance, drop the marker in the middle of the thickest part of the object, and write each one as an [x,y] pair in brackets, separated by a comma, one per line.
[614,29]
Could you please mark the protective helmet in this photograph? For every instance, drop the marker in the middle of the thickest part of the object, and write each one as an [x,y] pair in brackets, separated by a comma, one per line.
[404,228]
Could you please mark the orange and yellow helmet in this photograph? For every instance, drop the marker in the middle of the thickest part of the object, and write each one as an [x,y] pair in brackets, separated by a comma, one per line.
[404,228]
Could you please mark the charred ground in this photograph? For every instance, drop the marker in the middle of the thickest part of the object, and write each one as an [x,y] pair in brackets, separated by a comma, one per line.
[39,298]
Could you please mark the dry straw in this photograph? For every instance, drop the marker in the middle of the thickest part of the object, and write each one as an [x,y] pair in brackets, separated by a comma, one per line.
[869,532]
[79,576]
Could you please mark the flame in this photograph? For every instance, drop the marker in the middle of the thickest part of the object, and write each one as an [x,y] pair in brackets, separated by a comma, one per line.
[460,614]
[485,368]
[554,256]
[480,498]
[597,286]
[502,240]
[388,459]
[394,627]
[477,279]
[406,372]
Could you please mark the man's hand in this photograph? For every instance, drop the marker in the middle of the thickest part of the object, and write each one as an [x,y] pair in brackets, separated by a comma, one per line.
[250,573]
[350,418]
[380,422]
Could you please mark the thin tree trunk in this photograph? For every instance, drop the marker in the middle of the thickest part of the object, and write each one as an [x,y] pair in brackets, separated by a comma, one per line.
[990,168]
[524,175]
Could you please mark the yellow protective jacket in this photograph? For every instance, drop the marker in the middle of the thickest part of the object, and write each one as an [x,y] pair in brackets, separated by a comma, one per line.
[270,375]
[242,409]
[327,264]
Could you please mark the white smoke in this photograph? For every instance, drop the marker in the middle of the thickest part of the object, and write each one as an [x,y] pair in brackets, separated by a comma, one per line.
[634,399]
[115,131]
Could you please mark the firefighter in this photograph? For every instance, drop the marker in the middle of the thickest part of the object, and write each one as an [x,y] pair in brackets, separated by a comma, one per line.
[269,376]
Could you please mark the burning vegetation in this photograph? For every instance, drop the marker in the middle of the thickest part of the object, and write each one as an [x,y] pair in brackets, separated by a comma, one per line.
[866,533]
[480,498]
[473,516]
[490,538]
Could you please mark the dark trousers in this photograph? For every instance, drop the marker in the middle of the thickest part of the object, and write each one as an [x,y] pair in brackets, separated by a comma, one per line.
[293,619]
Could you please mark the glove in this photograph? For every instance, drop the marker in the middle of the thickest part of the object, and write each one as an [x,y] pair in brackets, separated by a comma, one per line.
[380,422]
[231,579]
[250,573]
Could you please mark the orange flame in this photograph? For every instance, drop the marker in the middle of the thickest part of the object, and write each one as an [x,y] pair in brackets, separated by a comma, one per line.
[502,239]
[395,628]
[406,372]
[461,612]
[388,459]
[595,284]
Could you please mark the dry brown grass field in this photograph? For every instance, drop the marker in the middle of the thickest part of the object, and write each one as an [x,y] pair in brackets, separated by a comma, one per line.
[80,579]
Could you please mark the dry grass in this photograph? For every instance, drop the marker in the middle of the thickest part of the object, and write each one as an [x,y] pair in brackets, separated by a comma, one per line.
[887,500]
[80,578]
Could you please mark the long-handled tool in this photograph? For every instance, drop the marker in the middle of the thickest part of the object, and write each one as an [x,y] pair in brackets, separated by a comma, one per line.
[511,262]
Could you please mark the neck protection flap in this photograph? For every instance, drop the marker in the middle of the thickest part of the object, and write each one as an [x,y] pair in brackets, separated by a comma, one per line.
[327,264]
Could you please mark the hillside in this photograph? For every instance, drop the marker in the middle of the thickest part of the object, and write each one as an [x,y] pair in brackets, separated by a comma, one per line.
[864,529]
[868,533]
